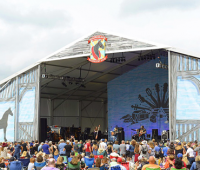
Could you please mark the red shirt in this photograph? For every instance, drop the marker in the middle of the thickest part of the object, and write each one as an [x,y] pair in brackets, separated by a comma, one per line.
[87,147]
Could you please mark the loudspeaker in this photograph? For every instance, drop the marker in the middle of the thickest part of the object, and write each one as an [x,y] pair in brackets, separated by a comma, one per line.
[43,129]
[120,136]
[155,134]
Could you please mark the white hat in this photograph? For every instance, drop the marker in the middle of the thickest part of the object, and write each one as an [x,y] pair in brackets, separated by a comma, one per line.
[144,142]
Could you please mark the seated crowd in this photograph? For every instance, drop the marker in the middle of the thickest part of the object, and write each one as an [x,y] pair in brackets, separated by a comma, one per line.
[102,155]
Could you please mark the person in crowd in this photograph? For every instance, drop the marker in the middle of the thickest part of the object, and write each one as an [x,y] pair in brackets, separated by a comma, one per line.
[119,161]
[31,164]
[144,149]
[3,150]
[40,163]
[88,148]
[157,150]
[68,148]
[51,165]
[75,147]
[116,146]
[59,164]
[54,149]
[17,150]
[122,148]
[104,164]
[140,163]
[190,154]
[171,149]
[113,162]
[136,152]
[151,149]
[24,146]
[165,149]
[40,147]
[179,149]
[151,164]
[180,157]
[196,164]
[103,145]
[45,148]
[98,163]
[178,164]
[127,148]
[109,148]
[32,150]
[170,162]
[61,147]
[102,152]
[197,149]
[114,154]
[132,148]
[2,164]
[94,149]
[74,163]
[80,147]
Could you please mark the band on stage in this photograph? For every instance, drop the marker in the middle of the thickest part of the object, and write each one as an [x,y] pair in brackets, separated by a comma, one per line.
[72,133]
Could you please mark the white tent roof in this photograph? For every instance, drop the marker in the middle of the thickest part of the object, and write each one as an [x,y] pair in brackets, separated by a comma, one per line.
[74,55]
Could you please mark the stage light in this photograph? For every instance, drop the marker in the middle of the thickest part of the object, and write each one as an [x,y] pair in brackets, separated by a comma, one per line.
[77,83]
[70,83]
[64,84]
[141,58]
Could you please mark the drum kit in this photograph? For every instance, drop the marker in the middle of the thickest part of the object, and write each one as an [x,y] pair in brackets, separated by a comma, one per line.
[136,135]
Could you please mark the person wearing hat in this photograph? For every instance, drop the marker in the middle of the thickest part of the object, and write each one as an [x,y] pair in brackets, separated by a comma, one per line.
[180,157]
[119,161]
[144,149]
[4,151]
[61,147]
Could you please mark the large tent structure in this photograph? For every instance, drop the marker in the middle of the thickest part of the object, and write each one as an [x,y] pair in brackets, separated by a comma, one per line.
[28,95]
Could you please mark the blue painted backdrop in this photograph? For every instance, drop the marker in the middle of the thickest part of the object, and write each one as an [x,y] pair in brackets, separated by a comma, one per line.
[139,97]
[188,99]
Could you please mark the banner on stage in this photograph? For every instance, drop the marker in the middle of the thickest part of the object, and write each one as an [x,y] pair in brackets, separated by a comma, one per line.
[97,49]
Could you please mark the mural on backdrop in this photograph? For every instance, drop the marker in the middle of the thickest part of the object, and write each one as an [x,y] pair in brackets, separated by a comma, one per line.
[139,97]
[188,98]
[7,121]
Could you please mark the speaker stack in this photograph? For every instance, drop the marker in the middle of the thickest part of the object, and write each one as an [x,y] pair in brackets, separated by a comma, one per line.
[43,129]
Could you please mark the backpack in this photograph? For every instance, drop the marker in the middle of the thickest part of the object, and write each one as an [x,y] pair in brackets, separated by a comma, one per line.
[144,149]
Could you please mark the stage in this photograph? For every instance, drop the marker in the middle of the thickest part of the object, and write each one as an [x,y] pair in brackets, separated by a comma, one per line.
[139,83]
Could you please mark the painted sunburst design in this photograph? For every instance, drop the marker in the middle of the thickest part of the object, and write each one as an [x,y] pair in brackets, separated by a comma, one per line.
[153,106]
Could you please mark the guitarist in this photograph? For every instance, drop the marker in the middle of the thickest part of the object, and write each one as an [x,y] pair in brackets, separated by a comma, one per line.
[142,132]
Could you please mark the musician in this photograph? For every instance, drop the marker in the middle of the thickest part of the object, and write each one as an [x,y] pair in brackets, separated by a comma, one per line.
[115,130]
[142,132]
[49,133]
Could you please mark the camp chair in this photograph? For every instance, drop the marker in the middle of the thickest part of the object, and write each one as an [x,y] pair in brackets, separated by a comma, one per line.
[56,157]
[153,168]
[25,162]
[177,169]
[98,156]
[89,162]
[117,167]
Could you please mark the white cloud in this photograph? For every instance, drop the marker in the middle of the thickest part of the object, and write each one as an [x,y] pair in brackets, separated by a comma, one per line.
[31,30]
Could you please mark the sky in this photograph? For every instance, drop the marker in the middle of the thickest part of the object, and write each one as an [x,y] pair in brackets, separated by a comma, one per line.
[31,30]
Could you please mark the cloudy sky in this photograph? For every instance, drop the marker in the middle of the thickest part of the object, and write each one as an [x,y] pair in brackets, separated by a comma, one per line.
[31,30]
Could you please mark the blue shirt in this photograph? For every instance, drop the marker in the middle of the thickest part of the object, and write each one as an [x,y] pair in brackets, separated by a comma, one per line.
[61,147]
[165,149]
[157,149]
[45,148]
[17,148]
[131,148]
